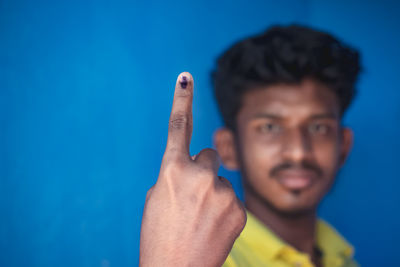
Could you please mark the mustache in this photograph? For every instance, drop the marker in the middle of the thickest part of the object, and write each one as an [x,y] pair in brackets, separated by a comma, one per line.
[305,165]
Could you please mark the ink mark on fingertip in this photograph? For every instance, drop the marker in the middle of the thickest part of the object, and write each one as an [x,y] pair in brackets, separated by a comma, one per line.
[184,82]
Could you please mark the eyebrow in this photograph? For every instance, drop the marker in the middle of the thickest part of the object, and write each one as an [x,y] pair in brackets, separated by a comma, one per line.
[328,115]
[267,115]
[324,116]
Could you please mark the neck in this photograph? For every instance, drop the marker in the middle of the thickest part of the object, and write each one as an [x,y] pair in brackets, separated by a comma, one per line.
[297,230]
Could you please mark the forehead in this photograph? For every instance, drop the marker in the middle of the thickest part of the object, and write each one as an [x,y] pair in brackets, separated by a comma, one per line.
[291,100]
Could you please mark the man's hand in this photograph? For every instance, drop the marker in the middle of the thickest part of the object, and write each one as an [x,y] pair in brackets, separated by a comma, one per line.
[191,216]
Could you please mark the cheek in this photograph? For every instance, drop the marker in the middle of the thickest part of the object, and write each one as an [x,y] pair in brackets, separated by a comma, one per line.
[258,159]
[260,154]
[327,155]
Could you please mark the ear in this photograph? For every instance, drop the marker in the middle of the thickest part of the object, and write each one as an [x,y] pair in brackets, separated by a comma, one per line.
[224,141]
[347,144]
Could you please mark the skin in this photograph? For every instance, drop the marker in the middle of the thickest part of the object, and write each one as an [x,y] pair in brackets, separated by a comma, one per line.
[191,215]
[284,132]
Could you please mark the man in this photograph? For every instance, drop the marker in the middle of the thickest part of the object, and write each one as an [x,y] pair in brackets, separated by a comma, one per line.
[282,95]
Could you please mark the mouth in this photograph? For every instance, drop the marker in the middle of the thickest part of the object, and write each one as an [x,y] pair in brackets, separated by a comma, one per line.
[296,179]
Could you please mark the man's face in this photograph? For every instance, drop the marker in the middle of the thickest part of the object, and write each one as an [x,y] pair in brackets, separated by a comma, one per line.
[290,144]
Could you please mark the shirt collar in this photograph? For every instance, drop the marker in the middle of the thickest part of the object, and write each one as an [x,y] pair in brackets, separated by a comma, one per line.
[331,242]
[267,244]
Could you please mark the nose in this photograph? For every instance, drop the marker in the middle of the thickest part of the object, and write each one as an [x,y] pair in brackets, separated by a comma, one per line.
[297,146]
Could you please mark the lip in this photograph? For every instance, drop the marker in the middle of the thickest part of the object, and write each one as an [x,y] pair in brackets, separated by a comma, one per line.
[296,179]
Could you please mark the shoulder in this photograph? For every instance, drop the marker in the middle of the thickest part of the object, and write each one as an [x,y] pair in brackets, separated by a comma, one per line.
[334,246]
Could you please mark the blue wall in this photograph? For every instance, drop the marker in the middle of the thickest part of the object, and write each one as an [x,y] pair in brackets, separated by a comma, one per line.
[85,95]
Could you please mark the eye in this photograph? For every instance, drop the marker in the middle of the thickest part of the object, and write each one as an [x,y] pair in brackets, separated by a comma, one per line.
[270,128]
[318,128]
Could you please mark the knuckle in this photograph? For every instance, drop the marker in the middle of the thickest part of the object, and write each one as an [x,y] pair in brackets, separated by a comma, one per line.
[179,120]
[227,199]
[173,169]
[237,214]
[210,153]
[205,173]
[208,158]
[231,197]
[233,212]
[172,154]
[226,188]
[240,219]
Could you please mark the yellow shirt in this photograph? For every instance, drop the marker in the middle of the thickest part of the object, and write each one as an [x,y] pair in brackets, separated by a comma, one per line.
[259,246]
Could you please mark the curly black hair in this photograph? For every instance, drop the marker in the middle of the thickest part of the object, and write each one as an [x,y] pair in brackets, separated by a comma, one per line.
[284,54]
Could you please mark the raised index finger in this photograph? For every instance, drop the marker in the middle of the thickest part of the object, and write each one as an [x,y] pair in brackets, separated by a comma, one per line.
[180,122]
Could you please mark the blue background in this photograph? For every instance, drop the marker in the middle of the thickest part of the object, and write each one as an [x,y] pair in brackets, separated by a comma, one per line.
[85,94]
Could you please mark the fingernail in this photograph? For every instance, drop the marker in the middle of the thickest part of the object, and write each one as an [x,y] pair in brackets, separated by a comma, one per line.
[184,82]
